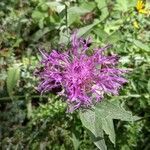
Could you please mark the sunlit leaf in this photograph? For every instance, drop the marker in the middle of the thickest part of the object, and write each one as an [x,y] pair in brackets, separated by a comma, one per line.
[101,118]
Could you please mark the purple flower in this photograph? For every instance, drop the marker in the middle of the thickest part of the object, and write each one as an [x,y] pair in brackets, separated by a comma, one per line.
[84,78]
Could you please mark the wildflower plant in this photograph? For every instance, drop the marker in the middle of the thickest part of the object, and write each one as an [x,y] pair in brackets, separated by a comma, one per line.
[84,76]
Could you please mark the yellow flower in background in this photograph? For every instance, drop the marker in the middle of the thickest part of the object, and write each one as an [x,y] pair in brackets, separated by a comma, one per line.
[136,25]
[140,6]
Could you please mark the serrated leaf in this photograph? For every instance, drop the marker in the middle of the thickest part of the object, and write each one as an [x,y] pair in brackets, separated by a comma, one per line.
[99,134]
[98,140]
[108,127]
[13,75]
[89,120]
[115,110]
[107,111]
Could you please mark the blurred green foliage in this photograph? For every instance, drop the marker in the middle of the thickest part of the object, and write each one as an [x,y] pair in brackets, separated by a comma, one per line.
[31,121]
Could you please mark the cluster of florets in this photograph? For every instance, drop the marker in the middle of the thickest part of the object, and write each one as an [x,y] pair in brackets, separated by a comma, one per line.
[84,78]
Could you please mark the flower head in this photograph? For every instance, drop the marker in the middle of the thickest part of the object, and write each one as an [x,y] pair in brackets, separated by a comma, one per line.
[140,6]
[84,78]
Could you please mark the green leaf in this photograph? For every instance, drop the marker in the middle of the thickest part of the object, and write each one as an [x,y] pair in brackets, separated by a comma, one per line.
[86,29]
[113,38]
[88,120]
[101,118]
[108,127]
[141,45]
[113,26]
[99,31]
[114,110]
[75,141]
[77,10]
[107,111]
[73,17]
[37,15]
[89,5]
[58,7]
[64,37]
[132,3]
[74,14]
[122,5]
[94,125]
[40,33]
[13,75]
[102,5]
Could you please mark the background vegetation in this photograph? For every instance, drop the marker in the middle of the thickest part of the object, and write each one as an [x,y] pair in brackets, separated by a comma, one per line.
[31,121]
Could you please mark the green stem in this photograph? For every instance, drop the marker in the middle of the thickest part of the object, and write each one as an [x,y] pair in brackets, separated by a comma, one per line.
[66,18]
[17,97]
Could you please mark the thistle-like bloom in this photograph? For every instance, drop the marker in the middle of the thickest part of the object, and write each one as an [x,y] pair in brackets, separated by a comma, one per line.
[84,78]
